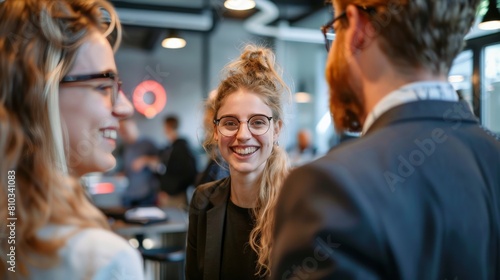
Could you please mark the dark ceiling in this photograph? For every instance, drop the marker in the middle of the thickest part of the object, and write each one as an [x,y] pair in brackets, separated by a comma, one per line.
[290,10]
[146,37]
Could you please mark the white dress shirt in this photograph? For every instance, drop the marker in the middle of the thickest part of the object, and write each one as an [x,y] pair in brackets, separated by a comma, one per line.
[430,90]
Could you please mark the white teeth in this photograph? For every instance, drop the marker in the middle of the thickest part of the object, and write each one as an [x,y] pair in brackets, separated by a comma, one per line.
[109,133]
[245,151]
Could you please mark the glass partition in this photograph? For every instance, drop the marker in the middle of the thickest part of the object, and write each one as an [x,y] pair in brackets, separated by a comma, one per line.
[490,95]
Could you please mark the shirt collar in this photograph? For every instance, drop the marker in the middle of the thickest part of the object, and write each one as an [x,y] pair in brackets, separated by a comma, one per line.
[429,90]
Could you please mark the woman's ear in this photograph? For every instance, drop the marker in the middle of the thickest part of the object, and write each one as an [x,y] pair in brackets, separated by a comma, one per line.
[216,133]
[277,129]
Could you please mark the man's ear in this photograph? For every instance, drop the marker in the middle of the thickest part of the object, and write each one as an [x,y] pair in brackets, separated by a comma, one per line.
[356,36]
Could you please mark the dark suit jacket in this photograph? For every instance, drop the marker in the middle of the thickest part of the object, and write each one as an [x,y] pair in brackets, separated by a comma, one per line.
[180,166]
[206,226]
[417,197]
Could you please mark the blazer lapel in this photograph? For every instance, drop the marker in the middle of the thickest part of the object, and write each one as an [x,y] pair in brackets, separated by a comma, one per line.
[215,230]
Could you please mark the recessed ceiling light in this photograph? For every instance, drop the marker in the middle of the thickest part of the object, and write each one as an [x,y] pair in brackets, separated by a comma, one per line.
[456,78]
[302,97]
[239,5]
[173,41]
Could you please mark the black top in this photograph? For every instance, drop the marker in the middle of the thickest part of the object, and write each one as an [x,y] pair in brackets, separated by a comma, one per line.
[238,259]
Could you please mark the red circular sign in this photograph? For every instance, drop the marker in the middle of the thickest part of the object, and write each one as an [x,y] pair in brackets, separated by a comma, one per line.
[160,98]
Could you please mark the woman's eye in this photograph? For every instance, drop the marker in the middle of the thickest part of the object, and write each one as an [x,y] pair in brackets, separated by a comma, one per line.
[258,121]
[104,88]
[229,123]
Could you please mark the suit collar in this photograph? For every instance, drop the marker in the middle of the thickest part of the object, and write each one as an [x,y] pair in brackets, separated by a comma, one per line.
[450,112]
[215,229]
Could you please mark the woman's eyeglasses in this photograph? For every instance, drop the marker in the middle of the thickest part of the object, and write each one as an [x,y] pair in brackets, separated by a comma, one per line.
[257,125]
[114,86]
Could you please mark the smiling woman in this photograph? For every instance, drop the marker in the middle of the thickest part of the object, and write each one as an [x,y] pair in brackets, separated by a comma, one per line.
[227,215]
[59,110]
[83,93]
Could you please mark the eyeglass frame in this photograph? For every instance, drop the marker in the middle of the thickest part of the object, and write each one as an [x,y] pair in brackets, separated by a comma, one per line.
[103,75]
[217,122]
[329,36]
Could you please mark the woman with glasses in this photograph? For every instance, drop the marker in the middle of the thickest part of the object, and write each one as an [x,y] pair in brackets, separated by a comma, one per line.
[231,220]
[59,109]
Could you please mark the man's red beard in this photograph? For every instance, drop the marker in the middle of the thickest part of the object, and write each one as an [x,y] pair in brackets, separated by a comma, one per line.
[345,105]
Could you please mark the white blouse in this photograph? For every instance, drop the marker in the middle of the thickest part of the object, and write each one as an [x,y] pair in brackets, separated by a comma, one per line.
[92,253]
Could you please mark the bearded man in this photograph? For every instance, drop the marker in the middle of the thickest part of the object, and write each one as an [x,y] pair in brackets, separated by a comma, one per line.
[418,195]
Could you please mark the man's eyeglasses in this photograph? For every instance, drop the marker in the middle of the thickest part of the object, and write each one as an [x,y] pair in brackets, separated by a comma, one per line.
[257,124]
[329,31]
[114,86]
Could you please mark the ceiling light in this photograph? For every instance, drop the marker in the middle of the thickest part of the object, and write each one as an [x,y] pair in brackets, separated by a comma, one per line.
[173,41]
[302,97]
[239,5]
[456,78]
[491,19]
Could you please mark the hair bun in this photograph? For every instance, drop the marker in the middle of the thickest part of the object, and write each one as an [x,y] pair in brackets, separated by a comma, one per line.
[257,59]
[254,69]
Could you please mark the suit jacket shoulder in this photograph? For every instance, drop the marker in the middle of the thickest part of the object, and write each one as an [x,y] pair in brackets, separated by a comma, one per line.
[209,193]
[401,202]
[206,224]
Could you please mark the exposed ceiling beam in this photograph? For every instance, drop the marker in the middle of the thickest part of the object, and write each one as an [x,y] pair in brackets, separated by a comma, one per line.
[259,24]
[202,21]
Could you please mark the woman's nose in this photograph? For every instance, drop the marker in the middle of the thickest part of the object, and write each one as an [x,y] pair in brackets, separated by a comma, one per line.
[243,131]
[122,108]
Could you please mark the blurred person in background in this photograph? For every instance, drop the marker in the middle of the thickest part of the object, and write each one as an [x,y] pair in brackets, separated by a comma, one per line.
[304,151]
[230,220]
[59,110]
[139,155]
[179,167]
[418,195]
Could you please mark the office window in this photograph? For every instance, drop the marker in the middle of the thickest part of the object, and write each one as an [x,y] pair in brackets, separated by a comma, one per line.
[490,95]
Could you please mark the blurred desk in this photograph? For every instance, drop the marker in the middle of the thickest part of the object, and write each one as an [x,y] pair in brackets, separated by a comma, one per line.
[171,233]
[177,221]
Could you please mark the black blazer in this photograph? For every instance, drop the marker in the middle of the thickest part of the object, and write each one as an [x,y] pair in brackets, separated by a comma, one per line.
[206,226]
[417,197]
